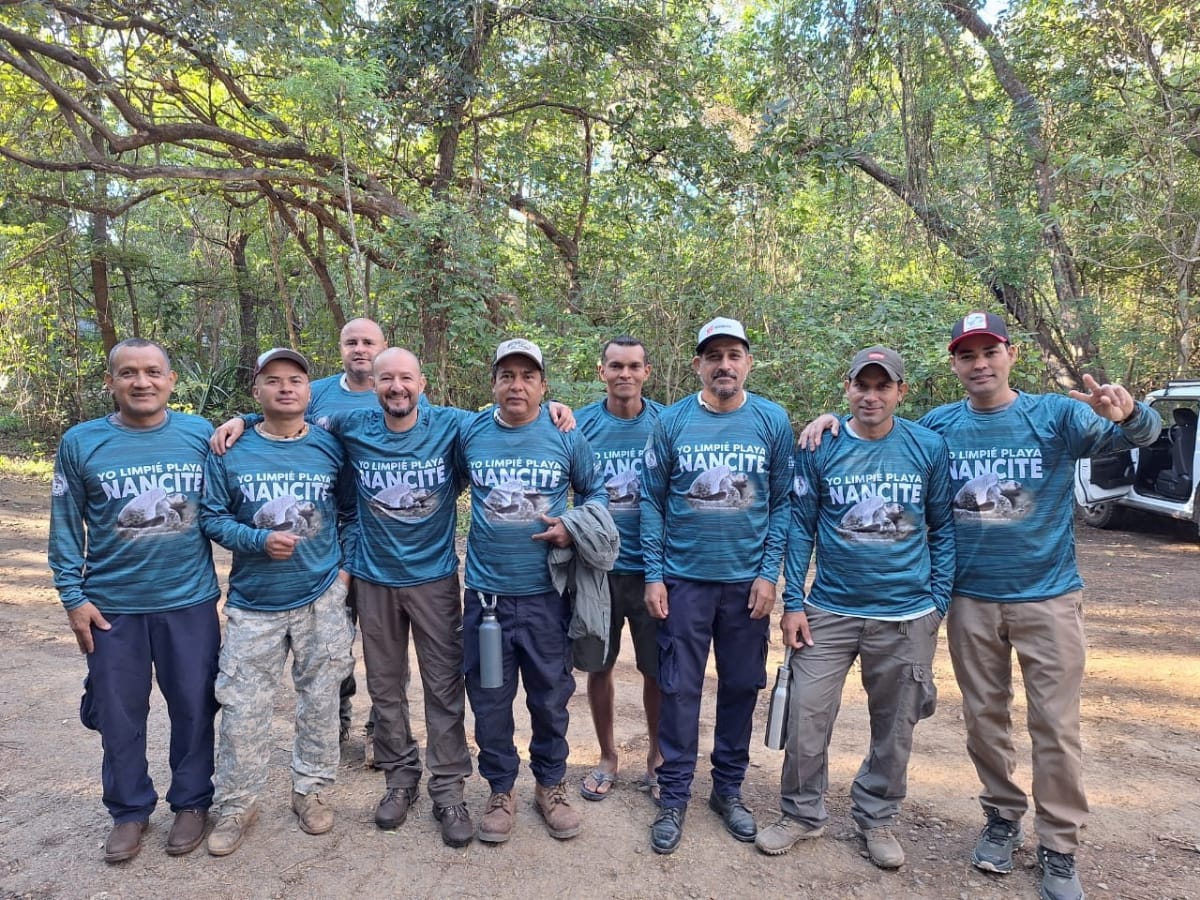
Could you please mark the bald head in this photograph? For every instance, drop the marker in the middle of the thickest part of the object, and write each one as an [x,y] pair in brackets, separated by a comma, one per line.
[398,385]
[396,356]
[361,341]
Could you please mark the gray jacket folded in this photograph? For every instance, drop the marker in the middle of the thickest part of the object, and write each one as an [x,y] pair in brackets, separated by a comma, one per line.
[583,569]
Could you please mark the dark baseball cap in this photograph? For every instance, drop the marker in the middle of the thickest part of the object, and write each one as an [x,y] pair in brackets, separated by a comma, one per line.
[269,356]
[975,323]
[884,357]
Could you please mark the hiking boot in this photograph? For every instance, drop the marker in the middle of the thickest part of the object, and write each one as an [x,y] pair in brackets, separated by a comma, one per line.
[739,821]
[667,830]
[497,822]
[393,807]
[1060,881]
[999,838]
[561,820]
[230,831]
[187,831]
[124,841]
[883,848]
[315,816]
[778,839]
[457,827]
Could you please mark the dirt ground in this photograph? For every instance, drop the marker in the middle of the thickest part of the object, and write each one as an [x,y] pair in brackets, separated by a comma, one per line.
[1141,708]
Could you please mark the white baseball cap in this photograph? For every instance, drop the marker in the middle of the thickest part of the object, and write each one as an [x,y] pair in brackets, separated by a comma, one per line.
[519,347]
[721,327]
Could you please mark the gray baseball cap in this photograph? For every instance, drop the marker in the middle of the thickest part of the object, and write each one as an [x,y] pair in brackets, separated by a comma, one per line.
[519,347]
[884,357]
[269,356]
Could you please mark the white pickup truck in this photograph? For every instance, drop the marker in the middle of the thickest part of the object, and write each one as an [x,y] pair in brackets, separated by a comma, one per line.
[1159,479]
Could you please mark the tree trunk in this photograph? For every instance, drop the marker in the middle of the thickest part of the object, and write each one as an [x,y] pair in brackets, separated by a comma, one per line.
[1070,321]
[247,303]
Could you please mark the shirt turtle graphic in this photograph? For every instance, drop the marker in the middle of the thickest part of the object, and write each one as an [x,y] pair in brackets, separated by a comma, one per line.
[154,511]
[513,501]
[720,488]
[624,490]
[875,519]
[287,513]
[987,496]
[403,501]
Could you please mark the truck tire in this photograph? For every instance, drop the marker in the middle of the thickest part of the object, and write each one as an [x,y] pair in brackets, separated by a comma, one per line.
[1100,515]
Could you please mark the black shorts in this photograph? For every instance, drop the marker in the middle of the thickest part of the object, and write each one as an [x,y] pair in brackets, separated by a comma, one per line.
[628,604]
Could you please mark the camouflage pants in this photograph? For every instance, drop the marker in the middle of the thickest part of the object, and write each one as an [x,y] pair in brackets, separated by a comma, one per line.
[319,636]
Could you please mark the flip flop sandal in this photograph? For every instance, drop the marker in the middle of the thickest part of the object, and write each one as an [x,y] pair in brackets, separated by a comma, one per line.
[603,781]
[648,784]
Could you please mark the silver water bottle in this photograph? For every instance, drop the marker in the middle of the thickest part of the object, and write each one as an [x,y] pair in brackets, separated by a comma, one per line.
[491,651]
[777,713]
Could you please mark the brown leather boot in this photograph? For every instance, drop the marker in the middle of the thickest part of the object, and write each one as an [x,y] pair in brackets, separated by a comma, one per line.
[561,820]
[124,841]
[497,822]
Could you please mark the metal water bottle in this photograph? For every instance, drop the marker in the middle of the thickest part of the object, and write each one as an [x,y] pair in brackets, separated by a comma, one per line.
[491,652]
[777,713]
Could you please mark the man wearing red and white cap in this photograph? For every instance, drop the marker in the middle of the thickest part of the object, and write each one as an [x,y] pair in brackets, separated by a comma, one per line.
[714,524]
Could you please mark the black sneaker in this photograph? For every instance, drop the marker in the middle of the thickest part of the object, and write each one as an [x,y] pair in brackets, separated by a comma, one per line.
[667,830]
[1060,881]
[999,838]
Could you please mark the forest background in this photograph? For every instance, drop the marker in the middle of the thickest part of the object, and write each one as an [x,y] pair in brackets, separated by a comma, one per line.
[224,177]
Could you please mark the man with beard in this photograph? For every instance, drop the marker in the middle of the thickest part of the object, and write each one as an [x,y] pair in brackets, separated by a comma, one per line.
[714,525]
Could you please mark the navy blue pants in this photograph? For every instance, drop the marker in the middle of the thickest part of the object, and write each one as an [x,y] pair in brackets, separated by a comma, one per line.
[181,647]
[535,645]
[700,614]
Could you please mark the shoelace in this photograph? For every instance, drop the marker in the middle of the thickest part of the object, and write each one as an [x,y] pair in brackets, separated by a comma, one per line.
[455,813]
[498,801]
[998,830]
[1060,865]
[558,795]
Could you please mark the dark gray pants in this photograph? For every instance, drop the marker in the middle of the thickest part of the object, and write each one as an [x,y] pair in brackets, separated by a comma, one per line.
[433,613]
[896,660]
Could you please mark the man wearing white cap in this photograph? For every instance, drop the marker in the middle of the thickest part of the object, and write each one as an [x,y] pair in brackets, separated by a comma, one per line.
[275,499]
[714,525]
[522,470]
[876,508]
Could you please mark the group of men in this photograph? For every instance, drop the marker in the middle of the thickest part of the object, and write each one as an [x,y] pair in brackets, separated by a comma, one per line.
[684,518]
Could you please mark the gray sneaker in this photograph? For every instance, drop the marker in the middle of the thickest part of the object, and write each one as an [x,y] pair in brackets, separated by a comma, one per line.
[882,847]
[1060,881]
[999,838]
[778,839]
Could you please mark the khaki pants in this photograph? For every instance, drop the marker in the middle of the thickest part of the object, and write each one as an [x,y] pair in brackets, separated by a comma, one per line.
[897,674]
[432,614]
[1051,648]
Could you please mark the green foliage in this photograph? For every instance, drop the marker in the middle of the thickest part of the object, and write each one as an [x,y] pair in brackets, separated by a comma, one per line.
[571,170]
